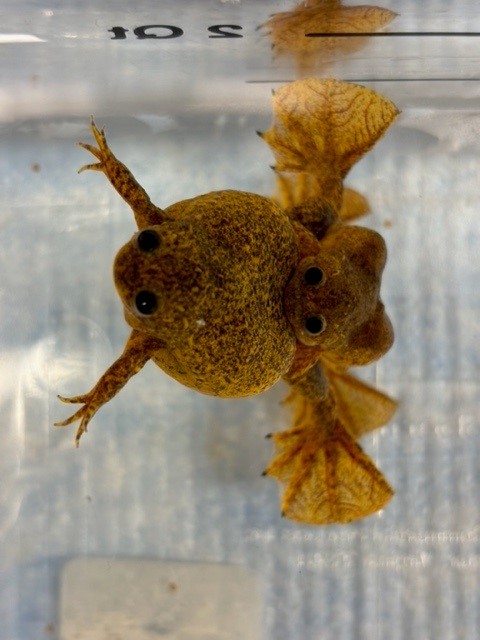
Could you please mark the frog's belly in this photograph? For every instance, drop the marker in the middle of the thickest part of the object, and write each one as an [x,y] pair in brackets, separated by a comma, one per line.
[237,366]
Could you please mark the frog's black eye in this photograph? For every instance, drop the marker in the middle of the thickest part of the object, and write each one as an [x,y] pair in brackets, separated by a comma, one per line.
[313,276]
[315,325]
[148,240]
[146,302]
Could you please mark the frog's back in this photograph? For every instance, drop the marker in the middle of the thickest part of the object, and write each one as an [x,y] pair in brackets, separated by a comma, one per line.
[242,343]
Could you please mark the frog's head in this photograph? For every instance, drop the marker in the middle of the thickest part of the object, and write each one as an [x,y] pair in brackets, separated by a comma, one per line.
[163,276]
[333,300]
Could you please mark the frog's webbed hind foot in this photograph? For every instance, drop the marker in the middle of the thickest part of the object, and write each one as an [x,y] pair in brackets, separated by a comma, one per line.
[354,205]
[326,475]
[361,408]
[323,127]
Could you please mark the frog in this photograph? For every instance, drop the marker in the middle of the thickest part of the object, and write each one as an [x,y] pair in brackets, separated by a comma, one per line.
[230,292]
[290,32]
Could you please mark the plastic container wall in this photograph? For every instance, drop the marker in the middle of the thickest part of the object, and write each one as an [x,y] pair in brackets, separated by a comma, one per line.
[165,495]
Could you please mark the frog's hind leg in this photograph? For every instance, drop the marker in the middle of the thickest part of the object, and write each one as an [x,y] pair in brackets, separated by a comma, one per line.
[323,127]
[145,212]
[294,188]
[354,206]
[361,408]
[327,476]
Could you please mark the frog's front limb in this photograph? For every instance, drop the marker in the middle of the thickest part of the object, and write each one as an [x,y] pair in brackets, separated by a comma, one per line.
[145,212]
[327,477]
[138,350]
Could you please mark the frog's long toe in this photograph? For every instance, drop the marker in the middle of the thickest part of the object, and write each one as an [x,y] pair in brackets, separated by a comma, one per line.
[89,147]
[74,399]
[102,153]
[98,134]
[96,166]
[84,414]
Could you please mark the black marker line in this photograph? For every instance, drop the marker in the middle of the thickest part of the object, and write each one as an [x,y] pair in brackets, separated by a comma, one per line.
[375,80]
[398,34]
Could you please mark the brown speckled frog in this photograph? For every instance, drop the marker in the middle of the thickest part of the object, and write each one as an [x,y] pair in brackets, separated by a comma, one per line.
[229,292]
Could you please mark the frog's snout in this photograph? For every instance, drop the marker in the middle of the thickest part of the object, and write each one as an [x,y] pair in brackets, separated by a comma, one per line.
[131,271]
[160,273]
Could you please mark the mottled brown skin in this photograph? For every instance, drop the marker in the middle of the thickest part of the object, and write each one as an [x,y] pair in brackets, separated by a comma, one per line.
[328,477]
[219,293]
[218,276]
[356,330]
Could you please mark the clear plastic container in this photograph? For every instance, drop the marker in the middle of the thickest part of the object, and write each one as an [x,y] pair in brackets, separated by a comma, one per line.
[168,481]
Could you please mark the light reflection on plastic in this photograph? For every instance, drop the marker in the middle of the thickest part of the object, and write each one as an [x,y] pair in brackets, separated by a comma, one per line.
[18,38]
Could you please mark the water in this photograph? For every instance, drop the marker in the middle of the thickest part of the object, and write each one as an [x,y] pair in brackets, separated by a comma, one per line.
[164,473]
